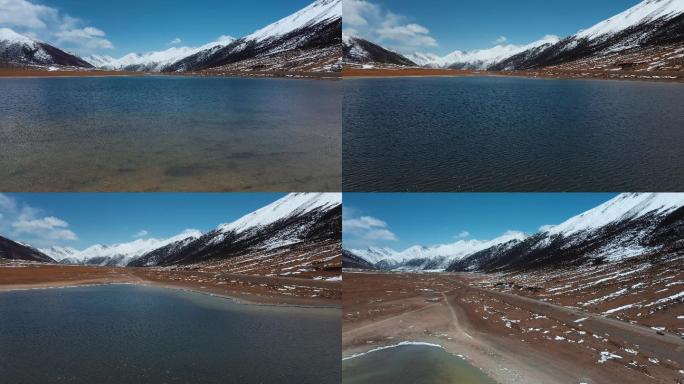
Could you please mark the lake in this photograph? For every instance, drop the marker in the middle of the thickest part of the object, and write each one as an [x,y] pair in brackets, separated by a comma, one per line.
[132,334]
[170,133]
[411,364]
[502,134]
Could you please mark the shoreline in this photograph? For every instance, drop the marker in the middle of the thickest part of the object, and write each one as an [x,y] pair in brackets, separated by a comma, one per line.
[44,74]
[260,290]
[234,299]
[657,77]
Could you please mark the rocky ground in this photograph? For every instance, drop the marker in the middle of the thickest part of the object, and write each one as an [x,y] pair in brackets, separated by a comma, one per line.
[512,337]
[319,290]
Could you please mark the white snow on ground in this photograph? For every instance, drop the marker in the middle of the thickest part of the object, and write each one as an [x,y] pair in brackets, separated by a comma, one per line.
[294,204]
[666,299]
[626,206]
[644,12]
[319,11]
[605,356]
[403,343]
[618,309]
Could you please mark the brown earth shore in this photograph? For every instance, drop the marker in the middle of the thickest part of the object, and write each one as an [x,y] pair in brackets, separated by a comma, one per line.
[24,72]
[248,289]
[663,76]
[511,338]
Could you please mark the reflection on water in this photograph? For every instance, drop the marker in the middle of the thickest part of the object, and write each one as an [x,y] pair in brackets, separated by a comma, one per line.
[411,364]
[170,133]
[512,134]
[128,334]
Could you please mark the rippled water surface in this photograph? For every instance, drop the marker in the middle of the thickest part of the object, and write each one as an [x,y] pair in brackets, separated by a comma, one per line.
[512,134]
[128,334]
[170,133]
[411,364]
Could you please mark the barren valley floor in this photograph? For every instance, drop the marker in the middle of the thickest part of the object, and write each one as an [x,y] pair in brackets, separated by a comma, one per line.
[511,337]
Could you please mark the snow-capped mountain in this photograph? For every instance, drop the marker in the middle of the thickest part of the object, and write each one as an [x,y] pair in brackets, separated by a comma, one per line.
[480,59]
[362,52]
[629,225]
[651,32]
[309,39]
[117,254]
[17,49]
[297,218]
[13,250]
[437,257]
[155,61]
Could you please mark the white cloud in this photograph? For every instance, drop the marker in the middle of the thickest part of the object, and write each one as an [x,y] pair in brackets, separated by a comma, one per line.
[546,227]
[371,21]
[462,235]
[366,230]
[50,25]
[500,40]
[175,41]
[30,225]
[141,233]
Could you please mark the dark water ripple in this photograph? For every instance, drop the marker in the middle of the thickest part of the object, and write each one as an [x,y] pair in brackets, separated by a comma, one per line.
[512,134]
[127,334]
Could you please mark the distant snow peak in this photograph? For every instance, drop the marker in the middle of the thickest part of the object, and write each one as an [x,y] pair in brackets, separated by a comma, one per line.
[479,58]
[438,257]
[121,253]
[9,36]
[155,61]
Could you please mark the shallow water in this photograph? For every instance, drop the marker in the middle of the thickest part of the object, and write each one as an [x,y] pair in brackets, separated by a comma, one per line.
[130,334]
[512,134]
[170,133]
[414,364]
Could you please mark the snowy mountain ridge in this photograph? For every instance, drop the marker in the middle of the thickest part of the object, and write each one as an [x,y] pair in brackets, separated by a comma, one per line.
[155,61]
[117,254]
[480,58]
[437,257]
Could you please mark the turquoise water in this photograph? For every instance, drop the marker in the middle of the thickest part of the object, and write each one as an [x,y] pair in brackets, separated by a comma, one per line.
[411,364]
[170,133]
[130,334]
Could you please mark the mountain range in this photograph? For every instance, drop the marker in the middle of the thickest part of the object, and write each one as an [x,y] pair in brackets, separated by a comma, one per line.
[629,225]
[648,36]
[296,221]
[308,40]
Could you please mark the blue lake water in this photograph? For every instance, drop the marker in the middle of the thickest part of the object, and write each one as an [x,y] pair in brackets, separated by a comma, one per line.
[129,334]
[512,134]
[411,364]
[170,133]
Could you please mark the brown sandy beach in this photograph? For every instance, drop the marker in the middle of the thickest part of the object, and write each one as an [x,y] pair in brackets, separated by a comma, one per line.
[512,338]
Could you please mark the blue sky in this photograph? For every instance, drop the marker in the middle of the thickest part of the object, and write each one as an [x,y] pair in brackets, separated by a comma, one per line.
[139,26]
[467,25]
[80,220]
[401,220]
